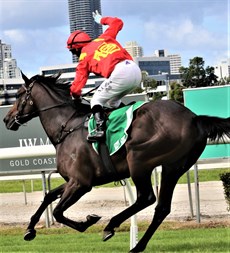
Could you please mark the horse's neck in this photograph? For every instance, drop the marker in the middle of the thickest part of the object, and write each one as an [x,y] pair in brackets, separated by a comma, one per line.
[58,120]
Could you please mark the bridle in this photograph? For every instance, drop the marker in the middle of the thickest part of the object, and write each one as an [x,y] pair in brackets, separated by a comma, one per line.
[19,117]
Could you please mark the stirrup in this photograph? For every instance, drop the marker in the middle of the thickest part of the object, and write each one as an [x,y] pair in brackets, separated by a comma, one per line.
[96,136]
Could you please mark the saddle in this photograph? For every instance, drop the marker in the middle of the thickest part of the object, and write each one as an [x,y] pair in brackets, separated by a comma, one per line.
[117,125]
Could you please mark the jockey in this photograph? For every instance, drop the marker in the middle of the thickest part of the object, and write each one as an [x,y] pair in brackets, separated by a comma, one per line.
[103,56]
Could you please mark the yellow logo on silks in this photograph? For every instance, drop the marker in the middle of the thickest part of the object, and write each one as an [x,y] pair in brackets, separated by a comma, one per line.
[104,50]
[82,56]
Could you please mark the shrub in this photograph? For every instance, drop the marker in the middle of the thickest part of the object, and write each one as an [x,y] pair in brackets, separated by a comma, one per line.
[225,178]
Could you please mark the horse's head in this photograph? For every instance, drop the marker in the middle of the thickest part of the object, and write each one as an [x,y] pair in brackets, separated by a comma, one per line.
[24,108]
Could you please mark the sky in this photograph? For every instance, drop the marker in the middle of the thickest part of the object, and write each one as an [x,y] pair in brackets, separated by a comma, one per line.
[37,30]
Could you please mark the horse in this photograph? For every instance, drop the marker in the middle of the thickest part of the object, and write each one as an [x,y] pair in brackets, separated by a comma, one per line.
[162,133]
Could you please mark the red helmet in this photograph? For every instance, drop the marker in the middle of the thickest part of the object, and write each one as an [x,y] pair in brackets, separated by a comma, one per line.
[77,40]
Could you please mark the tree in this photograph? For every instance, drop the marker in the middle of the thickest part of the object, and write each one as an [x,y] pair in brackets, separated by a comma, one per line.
[176,92]
[196,75]
[148,83]
[211,78]
[159,95]
[137,90]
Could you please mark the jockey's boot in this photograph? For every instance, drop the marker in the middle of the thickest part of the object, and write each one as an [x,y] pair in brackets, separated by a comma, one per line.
[99,133]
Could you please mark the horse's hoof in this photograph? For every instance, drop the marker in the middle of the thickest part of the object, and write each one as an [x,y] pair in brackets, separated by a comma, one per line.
[30,235]
[107,235]
[136,249]
[93,218]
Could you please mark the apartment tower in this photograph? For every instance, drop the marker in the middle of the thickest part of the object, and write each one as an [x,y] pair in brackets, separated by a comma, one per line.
[134,49]
[8,65]
[80,16]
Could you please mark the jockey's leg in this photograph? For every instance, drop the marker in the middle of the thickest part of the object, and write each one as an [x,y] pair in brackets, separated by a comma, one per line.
[124,78]
[100,118]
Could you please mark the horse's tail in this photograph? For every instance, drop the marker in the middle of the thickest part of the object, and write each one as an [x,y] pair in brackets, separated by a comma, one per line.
[214,128]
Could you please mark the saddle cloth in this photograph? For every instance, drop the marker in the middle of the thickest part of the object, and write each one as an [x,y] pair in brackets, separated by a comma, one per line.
[117,125]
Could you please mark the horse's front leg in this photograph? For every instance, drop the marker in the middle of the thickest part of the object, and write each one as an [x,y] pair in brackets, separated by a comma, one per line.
[73,192]
[48,199]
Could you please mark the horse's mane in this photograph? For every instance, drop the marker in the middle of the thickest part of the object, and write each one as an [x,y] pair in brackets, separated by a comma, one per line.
[60,86]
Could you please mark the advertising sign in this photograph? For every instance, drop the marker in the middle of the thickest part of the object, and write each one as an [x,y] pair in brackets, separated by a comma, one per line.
[30,135]
[212,101]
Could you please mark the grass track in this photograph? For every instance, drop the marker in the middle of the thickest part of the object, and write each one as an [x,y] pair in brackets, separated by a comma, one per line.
[176,238]
[211,238]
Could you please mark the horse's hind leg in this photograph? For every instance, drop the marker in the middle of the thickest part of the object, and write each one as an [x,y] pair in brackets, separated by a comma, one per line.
[168,183]
[73,192]
[170,176]
[48,199]
[145,197]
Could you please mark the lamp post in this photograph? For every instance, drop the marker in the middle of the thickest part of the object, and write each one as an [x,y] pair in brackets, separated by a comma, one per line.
[167,86]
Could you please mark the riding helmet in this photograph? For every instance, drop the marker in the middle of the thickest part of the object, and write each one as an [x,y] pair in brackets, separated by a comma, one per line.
[77,40]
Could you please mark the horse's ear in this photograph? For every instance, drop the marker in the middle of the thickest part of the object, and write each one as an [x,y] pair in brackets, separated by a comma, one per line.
[25,78]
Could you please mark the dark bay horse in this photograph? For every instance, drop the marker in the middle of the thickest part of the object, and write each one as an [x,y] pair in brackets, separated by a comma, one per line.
[162,133]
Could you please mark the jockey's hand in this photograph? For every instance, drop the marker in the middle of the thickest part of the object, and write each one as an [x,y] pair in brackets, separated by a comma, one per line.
[77,99]
[97,17]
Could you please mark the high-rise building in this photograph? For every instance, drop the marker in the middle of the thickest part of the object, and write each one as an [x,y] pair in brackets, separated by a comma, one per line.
[175,63]
[134,49]
[8,65]
[80,16]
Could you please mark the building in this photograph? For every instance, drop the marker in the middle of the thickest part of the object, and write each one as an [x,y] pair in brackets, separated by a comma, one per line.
[134,49]
[175,60]
[158,68]
[68,73]
[8,90]
[175,63]
[9,75]
[160,53]
[8,65]
[222,70]
[80,16]
[9,87]
[5,53]
[153,65]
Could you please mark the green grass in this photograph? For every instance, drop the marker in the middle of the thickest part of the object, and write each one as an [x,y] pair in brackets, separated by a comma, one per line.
[166,239]
[204,175]
[16,186]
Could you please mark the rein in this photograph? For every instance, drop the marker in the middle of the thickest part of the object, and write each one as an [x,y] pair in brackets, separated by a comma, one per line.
[70,130]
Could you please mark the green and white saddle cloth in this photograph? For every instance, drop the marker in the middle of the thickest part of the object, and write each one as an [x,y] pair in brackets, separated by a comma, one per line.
[117,125]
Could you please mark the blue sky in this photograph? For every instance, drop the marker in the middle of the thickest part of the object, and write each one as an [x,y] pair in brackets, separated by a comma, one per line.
[38,29]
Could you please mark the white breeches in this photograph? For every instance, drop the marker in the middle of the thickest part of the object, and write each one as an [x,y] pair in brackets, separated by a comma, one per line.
[125,77]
